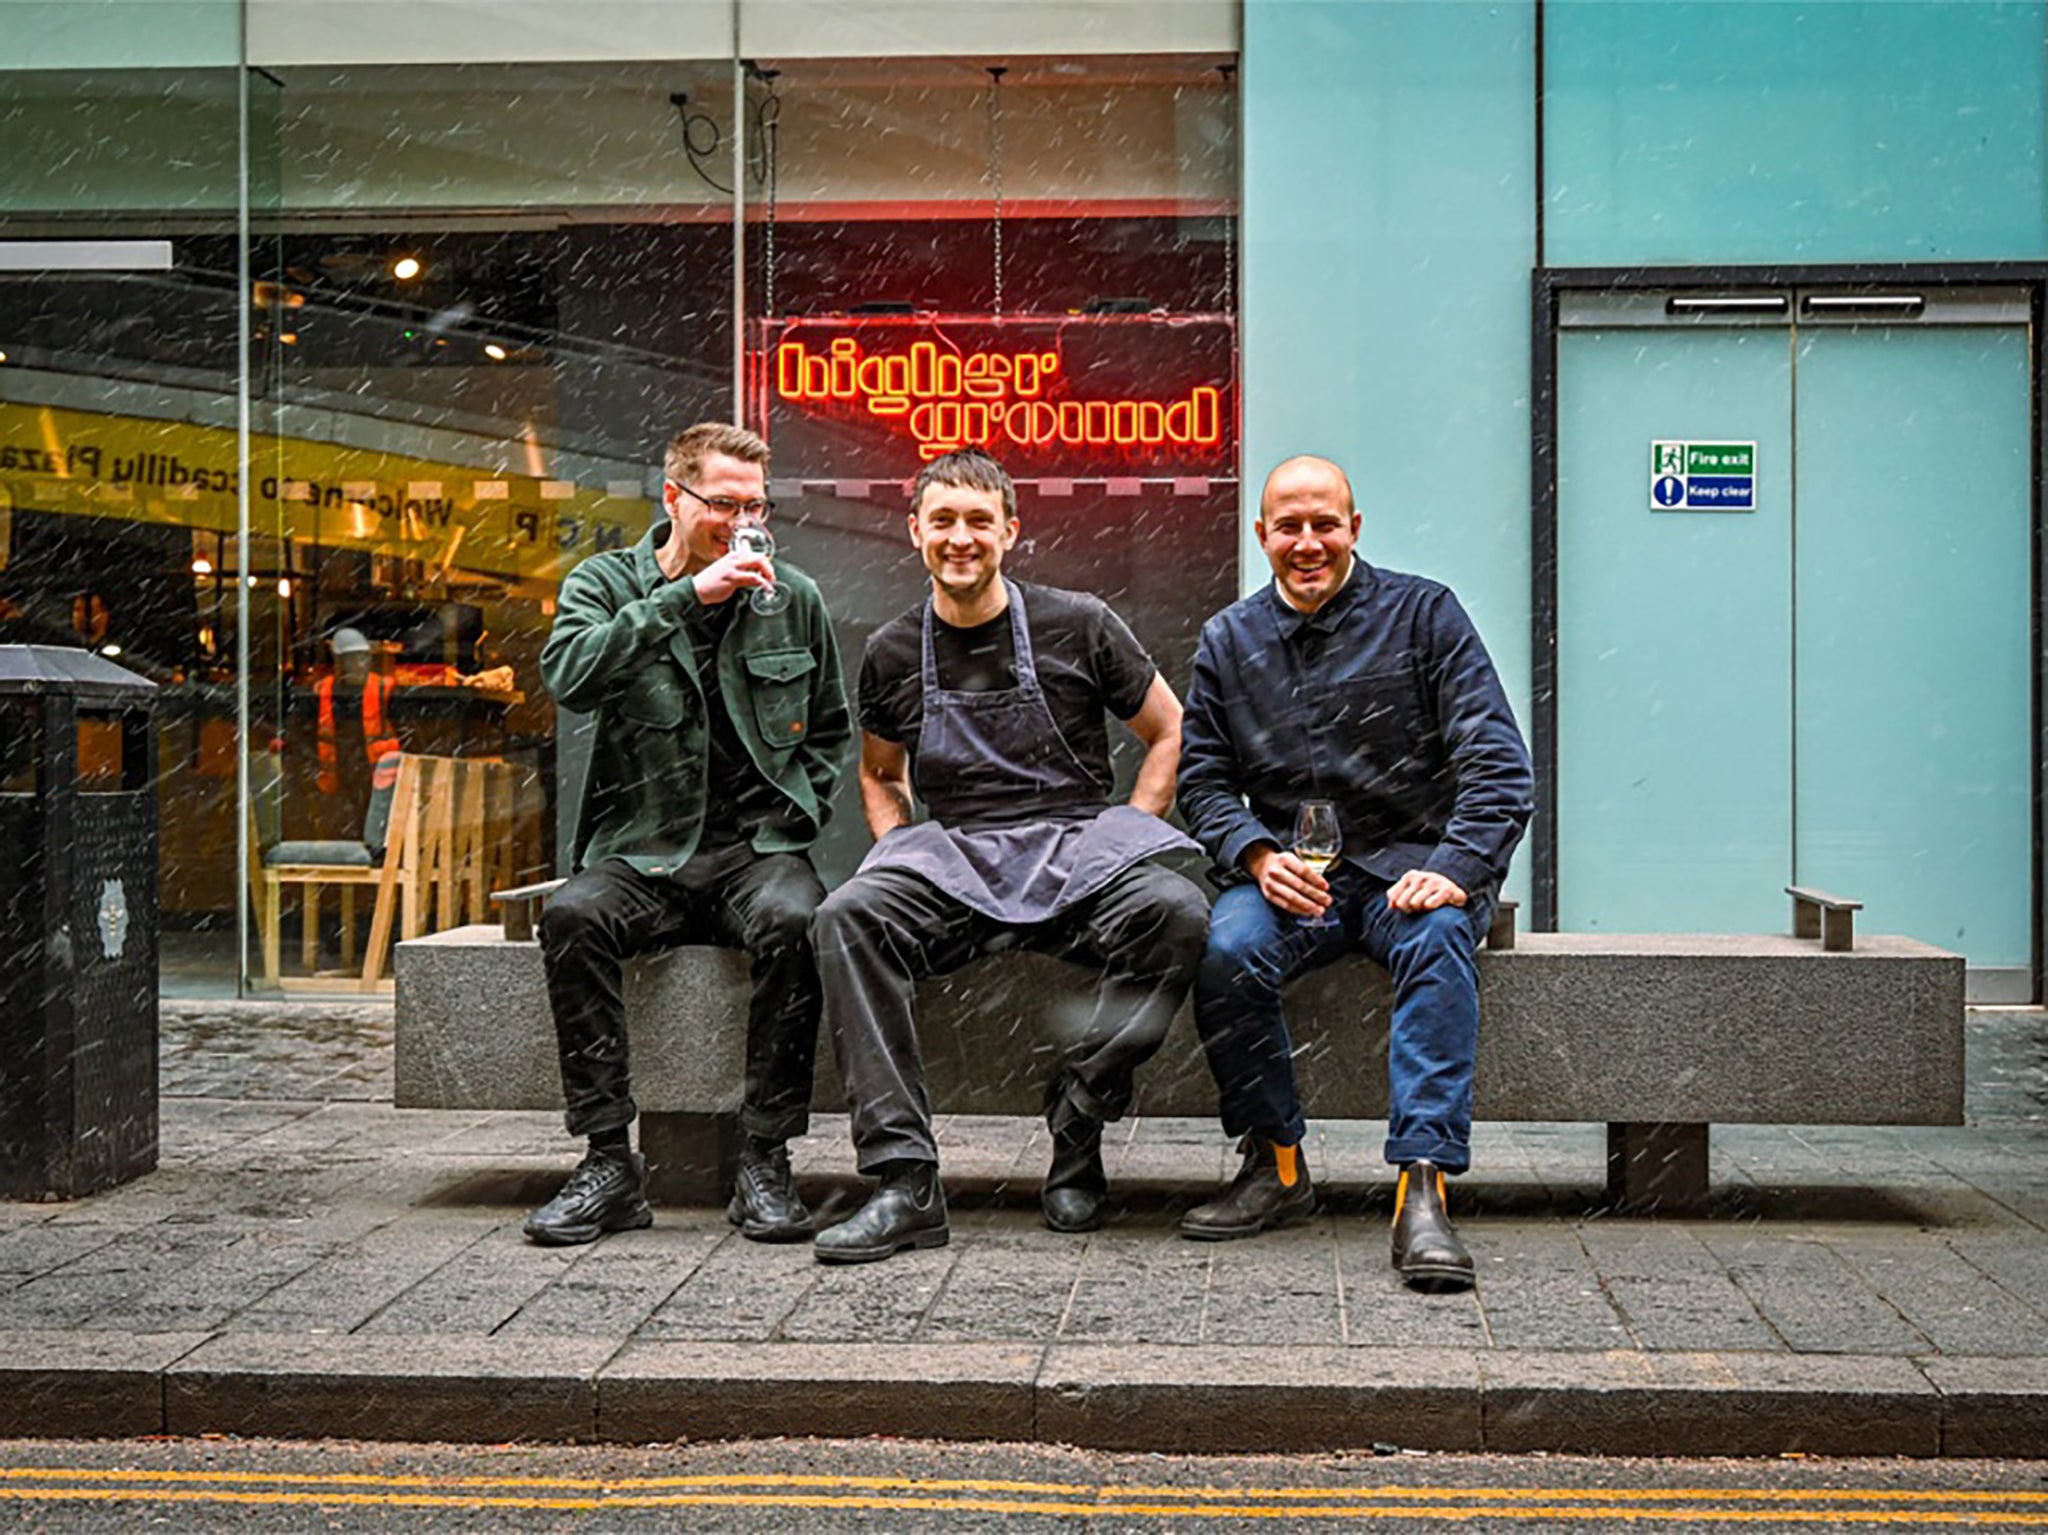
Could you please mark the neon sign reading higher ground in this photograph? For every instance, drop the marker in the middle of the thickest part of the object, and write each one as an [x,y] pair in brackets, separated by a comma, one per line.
[949,399]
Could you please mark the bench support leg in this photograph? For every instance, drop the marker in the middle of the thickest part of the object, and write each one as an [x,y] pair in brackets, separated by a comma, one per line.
[691,1158]
[1657,1168]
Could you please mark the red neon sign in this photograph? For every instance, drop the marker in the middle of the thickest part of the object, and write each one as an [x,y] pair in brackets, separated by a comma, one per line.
[947,397]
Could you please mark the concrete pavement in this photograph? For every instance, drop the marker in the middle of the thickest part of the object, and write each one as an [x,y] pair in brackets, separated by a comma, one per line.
[309,1261]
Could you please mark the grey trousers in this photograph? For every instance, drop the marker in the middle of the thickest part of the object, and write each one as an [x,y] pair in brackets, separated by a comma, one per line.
[881,933]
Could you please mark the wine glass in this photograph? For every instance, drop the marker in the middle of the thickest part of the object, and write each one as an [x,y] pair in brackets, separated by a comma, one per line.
[751,536]
[1317,842]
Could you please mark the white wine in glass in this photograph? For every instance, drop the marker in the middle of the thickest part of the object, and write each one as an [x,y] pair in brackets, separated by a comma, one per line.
[752,537]
[1317,841]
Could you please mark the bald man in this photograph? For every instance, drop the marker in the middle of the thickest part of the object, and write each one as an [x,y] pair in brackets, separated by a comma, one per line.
[1371,690]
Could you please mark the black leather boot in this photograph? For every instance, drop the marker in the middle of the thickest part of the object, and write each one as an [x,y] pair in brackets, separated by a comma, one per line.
[1256,1200]
[907,1210]
[1426,1246]
[765,1204]
[1075,1187]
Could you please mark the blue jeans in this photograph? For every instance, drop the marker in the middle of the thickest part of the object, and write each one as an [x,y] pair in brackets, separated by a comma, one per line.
[1255,948]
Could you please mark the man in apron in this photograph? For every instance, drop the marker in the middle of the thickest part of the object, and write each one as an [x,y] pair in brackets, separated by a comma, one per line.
[718,734]
[987,705]
[1370,690]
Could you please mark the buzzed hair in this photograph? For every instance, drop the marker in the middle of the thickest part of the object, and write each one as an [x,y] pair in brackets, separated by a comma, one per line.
[966,469]
[1350,498]
[686,455]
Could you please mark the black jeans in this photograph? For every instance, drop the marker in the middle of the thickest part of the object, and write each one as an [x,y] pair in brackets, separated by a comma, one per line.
[881,933]
[734,898]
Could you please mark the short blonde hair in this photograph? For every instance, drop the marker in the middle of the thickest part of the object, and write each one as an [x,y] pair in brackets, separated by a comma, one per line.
[686,454]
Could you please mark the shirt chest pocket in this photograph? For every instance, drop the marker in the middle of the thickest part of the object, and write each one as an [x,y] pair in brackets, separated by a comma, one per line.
[655,701]
[779,685]
[1382,710]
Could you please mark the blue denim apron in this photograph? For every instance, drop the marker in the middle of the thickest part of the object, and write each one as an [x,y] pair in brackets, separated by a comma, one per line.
[1018,830]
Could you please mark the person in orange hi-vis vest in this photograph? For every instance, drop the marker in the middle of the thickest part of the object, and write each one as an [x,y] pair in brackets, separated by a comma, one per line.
[353,679]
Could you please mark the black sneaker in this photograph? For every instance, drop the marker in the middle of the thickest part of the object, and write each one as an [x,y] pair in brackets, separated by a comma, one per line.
[603,1194]
[765,1204]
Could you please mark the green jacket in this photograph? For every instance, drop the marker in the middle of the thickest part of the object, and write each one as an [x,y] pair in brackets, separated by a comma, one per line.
[619,651]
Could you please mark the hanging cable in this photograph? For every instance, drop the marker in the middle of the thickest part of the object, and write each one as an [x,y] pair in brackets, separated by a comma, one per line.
[995,170]
[703,135]
[1230,220]
[766,116]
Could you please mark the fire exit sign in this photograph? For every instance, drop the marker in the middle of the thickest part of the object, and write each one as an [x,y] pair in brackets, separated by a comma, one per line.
[1702,476]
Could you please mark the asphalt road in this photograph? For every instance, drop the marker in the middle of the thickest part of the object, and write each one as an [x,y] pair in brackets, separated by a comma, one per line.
[780,1486]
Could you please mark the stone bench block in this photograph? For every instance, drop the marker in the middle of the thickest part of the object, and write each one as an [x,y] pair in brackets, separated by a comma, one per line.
[1656,1035]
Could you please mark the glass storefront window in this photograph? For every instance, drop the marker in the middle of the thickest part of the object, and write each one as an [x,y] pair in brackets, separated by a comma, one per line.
[1038,260]
[465,306]
[118,385]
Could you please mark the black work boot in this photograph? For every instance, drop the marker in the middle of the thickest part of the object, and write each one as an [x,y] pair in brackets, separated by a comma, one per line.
[1075,1186]
[1256,1200]
[907,1210]
[604,1193]
[1426,1246]
[765,1204]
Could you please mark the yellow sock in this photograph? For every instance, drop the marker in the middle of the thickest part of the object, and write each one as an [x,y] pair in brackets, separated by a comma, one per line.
[1288,1160]
[1401,1193]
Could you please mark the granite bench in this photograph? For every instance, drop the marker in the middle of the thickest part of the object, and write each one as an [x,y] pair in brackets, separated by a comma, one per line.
[1658,1036]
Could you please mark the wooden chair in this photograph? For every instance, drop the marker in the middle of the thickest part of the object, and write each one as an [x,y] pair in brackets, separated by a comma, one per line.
[479,853]
[378,861]
[419,866]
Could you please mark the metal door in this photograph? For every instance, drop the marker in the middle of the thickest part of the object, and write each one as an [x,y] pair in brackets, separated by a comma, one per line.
[1830,685]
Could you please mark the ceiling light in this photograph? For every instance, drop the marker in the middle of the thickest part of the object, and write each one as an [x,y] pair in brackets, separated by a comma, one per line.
[405,268]
[284,586]
[110,649]
[202,566]
[495,352]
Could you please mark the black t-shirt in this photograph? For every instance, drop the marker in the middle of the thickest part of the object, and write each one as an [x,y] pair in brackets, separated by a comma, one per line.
[1088,662]
[739,797]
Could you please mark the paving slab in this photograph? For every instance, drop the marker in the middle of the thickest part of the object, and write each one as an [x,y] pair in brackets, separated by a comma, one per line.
[1994,1407]
[469,1390]
[661,1391]
[1626,1402]
[1241,1399]
[87,1385]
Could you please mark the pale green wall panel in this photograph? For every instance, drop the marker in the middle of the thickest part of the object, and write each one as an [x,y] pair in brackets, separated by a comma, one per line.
[1914,782]
[1707,131]
[1388,237]
[119,34]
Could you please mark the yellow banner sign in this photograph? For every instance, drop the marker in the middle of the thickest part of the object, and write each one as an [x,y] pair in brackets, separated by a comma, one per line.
[145,470]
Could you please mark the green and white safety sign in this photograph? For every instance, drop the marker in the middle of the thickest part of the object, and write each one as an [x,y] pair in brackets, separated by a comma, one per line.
[1702,476]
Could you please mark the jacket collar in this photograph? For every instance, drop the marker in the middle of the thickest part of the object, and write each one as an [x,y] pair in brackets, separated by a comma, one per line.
[646,569]
[1290,620]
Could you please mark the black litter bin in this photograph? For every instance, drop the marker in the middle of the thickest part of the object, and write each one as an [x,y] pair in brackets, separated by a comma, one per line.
[78,923]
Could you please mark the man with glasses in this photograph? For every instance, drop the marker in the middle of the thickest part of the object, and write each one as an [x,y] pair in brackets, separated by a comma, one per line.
[719,733]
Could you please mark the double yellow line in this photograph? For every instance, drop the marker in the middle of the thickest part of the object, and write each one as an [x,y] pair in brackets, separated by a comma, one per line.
[1701,1505]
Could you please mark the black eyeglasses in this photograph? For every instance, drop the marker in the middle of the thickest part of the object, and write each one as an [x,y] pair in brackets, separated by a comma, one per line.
[725,506]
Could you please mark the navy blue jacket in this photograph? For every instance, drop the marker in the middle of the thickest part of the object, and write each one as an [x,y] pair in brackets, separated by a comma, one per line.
[1385,702]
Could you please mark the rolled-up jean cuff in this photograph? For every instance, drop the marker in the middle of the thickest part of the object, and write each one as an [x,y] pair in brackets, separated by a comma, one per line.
[1076,1099]
[600,1117]
[873,1158]
[774,1128]
[1449,1156]
[1293,1133]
